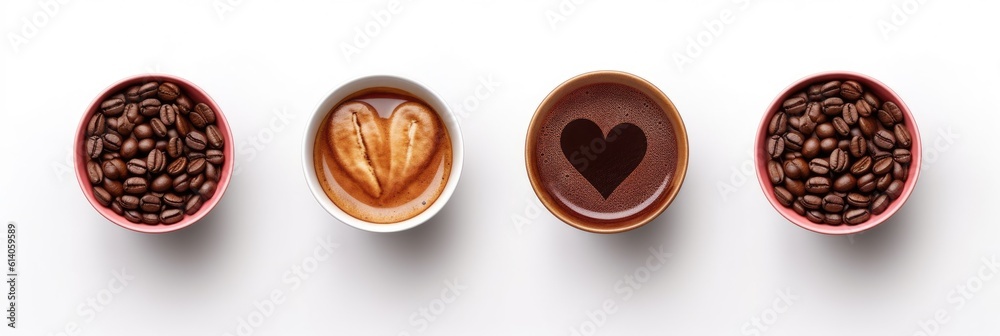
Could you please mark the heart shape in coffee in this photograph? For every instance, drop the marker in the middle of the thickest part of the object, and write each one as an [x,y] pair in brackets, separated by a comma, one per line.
[605,161]
[383,155]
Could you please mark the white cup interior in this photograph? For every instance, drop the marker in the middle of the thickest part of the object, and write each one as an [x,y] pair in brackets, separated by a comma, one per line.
[416,89]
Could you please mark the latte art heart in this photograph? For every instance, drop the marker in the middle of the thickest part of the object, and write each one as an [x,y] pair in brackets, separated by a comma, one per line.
[383,155]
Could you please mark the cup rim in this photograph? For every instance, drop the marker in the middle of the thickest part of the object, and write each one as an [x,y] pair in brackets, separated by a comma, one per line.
[192,91]
[425,93]
[885,93]
[617,77]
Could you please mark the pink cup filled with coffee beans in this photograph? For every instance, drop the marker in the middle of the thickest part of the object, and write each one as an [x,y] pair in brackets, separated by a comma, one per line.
[153,153]
[837,153]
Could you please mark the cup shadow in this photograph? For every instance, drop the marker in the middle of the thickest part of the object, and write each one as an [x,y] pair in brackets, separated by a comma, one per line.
[664,230]
[197,249]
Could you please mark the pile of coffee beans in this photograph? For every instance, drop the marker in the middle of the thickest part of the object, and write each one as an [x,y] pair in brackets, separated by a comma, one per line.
[838,153]
[154,155]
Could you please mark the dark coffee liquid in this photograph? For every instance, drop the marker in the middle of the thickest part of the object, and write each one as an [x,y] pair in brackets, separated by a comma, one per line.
[606,152]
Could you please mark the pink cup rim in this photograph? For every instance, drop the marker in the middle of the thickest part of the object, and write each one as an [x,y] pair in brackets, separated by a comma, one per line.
[885,94]
[196,94]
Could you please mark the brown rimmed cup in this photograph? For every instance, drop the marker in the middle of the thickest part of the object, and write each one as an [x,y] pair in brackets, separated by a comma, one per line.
[615,97]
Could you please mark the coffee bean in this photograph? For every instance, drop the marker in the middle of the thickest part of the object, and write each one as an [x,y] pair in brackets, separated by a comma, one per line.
[94,146]
[197,181]
[94,172]
[831,88]
[113,169]
[833,203]
[850,90]
[175,147]
[133,216]
[839,160]
[214,136]
[882,165]
[895,190]
[871,99]
[196,166]
[206,112]
[902,136]
[819,166]
[178,166]
[795,105]
[159,129]
[845,183]
[173,200]
[825,130]
[132,113]
[130,148]
[883,182]
[890,114]
[181,183]
[864,109]
[192,205]
[818,185]
[150,218]
[168,91]
[95,126]
[132,94]
[124,126]
[816,216]
[833,106]
[113,106]
[795,187]
[815,92]
[798,208]
[183,125]
[880,204]
[811,202]
[778,124]
[215,156]
[112,142]
[859,147]
[796,169]
[884,139]
[161,145]
[156,161]
[102,196]
[136,166]
[128,202]
[828,145]
[901,155]
[150,108]
[143,131]
[810,148]
[213,174]
[807,125]
[862,166]
[168,114]
[858,200]
[196,140]
[117,209]
[775,146]
[784,196]
[793,141]
[171,216]
[900,172]
[850,114]
[149,203]
[162,183]
[856,216]
[195,155]
[207,189]
[135,185]
[833,219]
[148,90]
[866,183]
[184,104]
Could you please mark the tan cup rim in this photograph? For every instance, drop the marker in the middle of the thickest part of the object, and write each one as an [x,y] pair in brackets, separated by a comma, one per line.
[617,77]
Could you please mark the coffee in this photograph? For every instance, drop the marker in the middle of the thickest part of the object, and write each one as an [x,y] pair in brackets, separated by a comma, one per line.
[141,160]
[383,155]
[606,153]
[860,170]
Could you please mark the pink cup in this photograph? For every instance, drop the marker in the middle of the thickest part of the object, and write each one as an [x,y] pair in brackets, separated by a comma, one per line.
[197,95]
[885,94]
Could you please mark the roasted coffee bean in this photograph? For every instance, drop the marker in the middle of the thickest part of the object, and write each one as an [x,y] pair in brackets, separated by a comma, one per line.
[882,165]
[833,106]
[196,166]
[175,147]
[173,200]
[895,190]
[102,196]
[862,166]
[867,126]
[111,123]
[818,185]
[113,106]
[133,216]
[146,145]
[798,208]
[890,114]
[113,169]
[900,172]
[883,182]
[839,160]
[810,148]
[162,183]
[136,166]
[132,94]
[192,205]
[110,156]
[825,130]
[880,204]
[856,216]
[815,92]
[161,145]
[151,218]
[159,129]
[845,183]
[784,196]
[828,145]
[796,169]
[117,209]
[795,187]
[178,166]
[196,140]
[902,136]
[149,203]
[132,113]
[148,90]
[207,189]
[197,181]
[778,124]
[125,126]
[130,148]
[171,216]
[168,114]
[94,146]
[214,156]
[213,174]
[206,112]
[112,142]
[96,125]
[831,88]
[833,203]
[214,136]
[859,147]
[184,104]
[775,146]
[819,166]
[807,125]
[196,155]
[858,200]
[884,139]
[156,161]
[795,105]
[851,90]
[811,202]
[866,183]
[135,185]
[901,155]
[183,125]
[850,114]
[94,172]
[150,108]
[816,216]
[143,131]
[168,91]
[128,202]
[793,141]
[871,99]
[833,219]
[181,183]
[841,126]
[864,109]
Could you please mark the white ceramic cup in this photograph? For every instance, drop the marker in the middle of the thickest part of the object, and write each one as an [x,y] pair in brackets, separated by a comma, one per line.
[385,81]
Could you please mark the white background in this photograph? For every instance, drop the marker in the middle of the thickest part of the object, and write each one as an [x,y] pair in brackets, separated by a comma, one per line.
[525,272]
